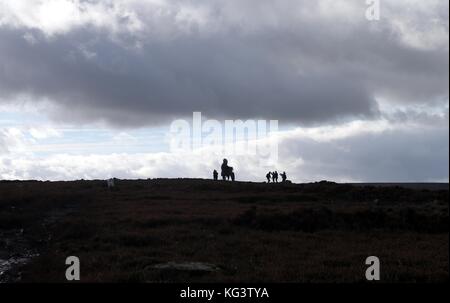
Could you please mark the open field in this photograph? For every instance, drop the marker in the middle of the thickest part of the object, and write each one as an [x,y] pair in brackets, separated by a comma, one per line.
[191,230]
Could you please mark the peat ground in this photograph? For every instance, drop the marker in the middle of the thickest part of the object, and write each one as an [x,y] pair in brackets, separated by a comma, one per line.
[193,230]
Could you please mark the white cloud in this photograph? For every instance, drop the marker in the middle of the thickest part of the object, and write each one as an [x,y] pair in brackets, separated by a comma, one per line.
[415,21]
[44,132]
[355,151]
[420,24]
[54,17]
[13,140]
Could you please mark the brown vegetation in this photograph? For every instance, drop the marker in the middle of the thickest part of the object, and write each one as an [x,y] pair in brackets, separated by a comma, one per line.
[249,232]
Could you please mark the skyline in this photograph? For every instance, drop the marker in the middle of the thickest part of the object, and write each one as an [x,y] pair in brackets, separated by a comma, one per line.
[88,89]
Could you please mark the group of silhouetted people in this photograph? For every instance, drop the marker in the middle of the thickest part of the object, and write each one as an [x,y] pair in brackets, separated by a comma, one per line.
[274,177]
[227,172]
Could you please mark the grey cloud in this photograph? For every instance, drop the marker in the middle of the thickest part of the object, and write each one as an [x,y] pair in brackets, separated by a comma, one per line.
[274,66]
[175,78]
[390,156]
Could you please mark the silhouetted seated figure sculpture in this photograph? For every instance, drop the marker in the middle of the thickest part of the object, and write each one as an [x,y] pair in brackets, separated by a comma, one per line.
[215,175]
[283,176]
[227,171]
[268,176]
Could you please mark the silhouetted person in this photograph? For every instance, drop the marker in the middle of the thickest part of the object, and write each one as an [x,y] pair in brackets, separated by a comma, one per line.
[283,176]
[224,169]
[268,176]
[232,176]
[275,177]
[215,175]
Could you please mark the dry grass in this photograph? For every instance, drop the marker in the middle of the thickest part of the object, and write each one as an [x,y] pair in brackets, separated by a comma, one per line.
[252,232]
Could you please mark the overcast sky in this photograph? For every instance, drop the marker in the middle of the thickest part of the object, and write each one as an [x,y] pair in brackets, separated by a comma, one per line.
[88,89]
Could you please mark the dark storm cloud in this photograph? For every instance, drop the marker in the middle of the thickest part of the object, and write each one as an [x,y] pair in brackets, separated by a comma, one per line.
[305,71]
[172,79]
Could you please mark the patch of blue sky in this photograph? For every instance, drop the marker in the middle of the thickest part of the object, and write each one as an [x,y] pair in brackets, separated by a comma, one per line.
[50,138]
[101,141]
[16,118]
